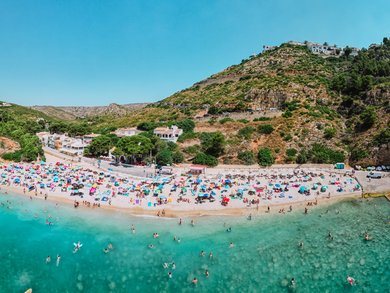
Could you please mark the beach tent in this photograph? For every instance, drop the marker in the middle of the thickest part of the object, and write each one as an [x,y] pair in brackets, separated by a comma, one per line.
[302,189]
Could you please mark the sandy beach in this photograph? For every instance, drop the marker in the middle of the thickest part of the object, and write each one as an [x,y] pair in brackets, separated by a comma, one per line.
[221,191]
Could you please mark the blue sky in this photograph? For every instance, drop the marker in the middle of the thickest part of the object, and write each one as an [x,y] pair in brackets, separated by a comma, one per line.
[91,52]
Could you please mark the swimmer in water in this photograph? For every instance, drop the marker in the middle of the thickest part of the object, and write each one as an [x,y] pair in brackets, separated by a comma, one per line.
[192,223]
[330,236]
[366,237]
[231,245]
[48,259]
[250,217]
[178,240]
[110,246]
[350,280]
[169,275]
[206,273]
[105,250]
[292,282]
[173,266]
[301,244]
[165,265]
[229,229]
[180,221]
[132,229]
[202,253]
[195,281]
[151,246]
[58,260]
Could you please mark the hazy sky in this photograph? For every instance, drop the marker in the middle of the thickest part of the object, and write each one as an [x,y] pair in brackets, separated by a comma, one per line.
[96,52]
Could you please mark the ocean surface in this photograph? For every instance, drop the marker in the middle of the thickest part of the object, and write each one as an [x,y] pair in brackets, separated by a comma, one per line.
[265,256]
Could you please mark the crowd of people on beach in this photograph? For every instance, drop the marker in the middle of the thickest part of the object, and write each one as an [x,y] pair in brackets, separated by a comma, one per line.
[94,188]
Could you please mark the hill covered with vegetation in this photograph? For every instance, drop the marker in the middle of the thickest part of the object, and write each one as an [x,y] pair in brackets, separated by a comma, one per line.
[286,105]
[20,124]
[332,109]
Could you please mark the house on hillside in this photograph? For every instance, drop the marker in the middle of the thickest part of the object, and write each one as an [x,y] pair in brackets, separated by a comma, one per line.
[324,49]
[296,43]
[169,134]
[122,132]
[87,139]
[268,48]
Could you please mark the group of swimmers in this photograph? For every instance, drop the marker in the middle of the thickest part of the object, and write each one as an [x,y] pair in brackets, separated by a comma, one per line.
[48,260]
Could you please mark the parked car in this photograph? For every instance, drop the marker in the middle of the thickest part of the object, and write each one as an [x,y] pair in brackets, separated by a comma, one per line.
[374,175]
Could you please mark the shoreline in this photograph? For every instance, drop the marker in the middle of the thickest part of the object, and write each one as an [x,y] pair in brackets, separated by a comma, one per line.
[195,213]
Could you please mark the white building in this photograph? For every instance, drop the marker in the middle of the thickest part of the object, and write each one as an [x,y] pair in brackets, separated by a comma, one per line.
[121,132]
[268,48]
[169,134]
[87,139]
[296,43]
[319,49]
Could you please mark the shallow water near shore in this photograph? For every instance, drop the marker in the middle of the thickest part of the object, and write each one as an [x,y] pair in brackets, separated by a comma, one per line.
[264,259]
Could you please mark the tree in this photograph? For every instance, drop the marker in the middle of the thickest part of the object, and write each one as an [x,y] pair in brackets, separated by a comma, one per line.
[205,159]
[347,51]
[100,146]
[135,145]
[164,157]
[146,126]
[177,157]
[265,157]
[187,125]
[213,143]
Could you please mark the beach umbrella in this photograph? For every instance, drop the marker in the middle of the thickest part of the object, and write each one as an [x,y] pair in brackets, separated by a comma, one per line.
[226,199]
[302,189]
[162,196]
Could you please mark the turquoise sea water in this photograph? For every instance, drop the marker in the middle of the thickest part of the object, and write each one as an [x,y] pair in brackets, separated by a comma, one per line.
[265,257]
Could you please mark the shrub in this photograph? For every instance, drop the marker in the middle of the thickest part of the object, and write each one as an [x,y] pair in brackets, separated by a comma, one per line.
[226,119]
[187,135]
[192,150]
[243,121]
[287,114]
[246,132]
[358,154]
[262,119]
[266,129]
[329,132]
[265,157]
[205,159]
[382,137]
[367,119]
[247,157]
[302,157]
[287,137]
[324,155]
[291,152]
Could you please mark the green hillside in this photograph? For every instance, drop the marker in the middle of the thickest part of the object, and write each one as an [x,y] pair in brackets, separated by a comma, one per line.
[20,124]
[333,108]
